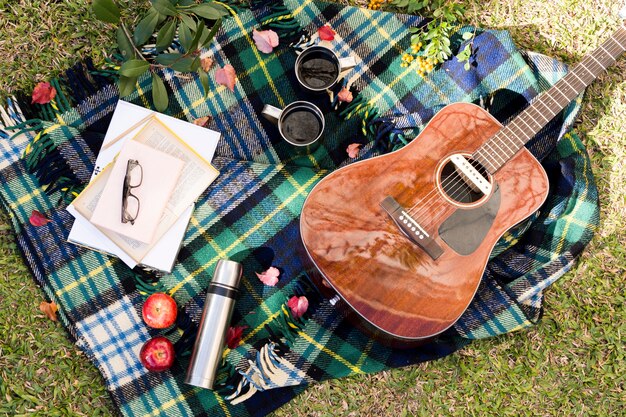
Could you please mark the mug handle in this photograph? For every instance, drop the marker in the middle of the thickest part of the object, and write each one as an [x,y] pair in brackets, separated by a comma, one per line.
[271,113]
[346,63]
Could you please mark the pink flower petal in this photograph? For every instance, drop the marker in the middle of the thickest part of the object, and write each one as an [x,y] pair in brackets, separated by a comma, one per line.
[345,95]
[353,150]
[43,93]
[226,76]
[326,33]
[269,277]
[298,305]
[265,40]
[37,219]
[234,336]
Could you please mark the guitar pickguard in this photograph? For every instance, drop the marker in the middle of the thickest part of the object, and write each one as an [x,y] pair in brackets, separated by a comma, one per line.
[466,229]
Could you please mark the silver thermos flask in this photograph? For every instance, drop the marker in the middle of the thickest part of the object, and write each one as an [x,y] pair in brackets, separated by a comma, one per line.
[206,357]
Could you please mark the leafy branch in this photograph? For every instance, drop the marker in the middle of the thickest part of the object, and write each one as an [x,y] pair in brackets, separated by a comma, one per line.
[431,43]
[195,23]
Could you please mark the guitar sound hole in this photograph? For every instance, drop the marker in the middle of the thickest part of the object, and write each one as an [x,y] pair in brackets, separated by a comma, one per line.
[458,187]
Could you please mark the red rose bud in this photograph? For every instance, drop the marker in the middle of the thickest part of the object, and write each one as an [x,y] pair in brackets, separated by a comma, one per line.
[43,93]
[234,336]
[326,33]
[298,305]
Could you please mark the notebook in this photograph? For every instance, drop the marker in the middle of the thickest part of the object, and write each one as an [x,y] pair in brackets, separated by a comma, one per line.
[155,175]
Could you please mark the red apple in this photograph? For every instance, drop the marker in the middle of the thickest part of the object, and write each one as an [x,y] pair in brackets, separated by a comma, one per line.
[159,311]
[157,354]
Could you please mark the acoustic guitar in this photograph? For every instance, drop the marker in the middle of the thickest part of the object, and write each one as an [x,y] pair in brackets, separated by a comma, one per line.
[403,238]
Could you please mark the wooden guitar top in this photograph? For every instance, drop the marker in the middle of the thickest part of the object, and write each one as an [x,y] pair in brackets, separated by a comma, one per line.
[393,283]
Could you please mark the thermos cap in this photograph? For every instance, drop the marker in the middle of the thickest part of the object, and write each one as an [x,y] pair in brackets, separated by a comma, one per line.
[227,273]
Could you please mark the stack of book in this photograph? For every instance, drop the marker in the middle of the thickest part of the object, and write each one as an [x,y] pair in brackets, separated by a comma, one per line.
[150,171]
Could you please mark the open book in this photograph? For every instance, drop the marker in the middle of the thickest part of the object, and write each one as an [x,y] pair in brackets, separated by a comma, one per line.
[197,174]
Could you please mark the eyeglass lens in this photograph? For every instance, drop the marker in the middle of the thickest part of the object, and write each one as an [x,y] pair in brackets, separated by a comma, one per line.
[130,202]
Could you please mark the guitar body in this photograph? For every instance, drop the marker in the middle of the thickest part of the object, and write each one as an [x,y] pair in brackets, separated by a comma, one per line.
[405,291]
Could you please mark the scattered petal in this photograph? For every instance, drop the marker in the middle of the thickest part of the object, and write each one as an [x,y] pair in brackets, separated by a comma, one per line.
[201,121]
[353,150]
[37,219]
[43,93]
[226,76]
[298,305]
[234,336]
[345,95]
[269,277]
[49,309]
[326,33]
[265,40]
[206,63]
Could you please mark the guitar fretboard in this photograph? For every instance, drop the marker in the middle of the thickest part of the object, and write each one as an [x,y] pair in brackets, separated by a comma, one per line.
[510,139]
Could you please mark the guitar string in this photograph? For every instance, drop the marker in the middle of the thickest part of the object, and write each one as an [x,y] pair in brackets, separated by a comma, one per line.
[460,183]
[612,57]
[534,107]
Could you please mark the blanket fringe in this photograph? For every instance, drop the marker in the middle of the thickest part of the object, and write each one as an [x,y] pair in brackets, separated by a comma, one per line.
[267,371]
[281,20]
[187,331]
[42,156]
[268,367]
[147,284]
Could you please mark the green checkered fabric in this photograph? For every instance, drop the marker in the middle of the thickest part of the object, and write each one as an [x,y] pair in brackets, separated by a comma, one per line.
[250,214]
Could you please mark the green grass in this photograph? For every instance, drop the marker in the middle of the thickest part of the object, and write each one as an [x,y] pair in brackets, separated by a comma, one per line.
[572,363]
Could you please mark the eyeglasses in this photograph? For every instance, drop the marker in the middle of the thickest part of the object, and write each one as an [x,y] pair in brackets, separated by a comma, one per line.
[130,202]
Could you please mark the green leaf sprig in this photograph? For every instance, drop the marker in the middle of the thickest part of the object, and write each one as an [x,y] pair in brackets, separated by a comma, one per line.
[430,44]
[195,23]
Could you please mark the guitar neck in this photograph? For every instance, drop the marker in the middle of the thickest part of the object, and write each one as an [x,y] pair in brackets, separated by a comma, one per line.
[510,139]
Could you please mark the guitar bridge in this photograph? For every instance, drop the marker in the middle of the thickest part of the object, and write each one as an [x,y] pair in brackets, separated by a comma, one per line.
[411,228]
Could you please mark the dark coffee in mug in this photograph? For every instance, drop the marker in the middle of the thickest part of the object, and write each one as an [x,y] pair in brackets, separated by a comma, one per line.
[301,126]
[318,69]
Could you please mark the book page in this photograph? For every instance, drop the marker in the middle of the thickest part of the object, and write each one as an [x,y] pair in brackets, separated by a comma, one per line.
[197,173]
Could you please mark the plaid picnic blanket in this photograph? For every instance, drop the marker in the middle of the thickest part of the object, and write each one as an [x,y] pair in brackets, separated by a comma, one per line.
[250,214]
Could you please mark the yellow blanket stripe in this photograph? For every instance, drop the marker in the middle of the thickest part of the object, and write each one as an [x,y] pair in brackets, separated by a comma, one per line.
[365,353]
[39,135]
[84,278]
[301,7]
[382,31]
[389,86]
[256,296]
[259,58]
[254,331]
[142,96]
[182,397]
[57,112]
[329,352]
[261,326]
[571,216]
[210,96]
[15,205]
